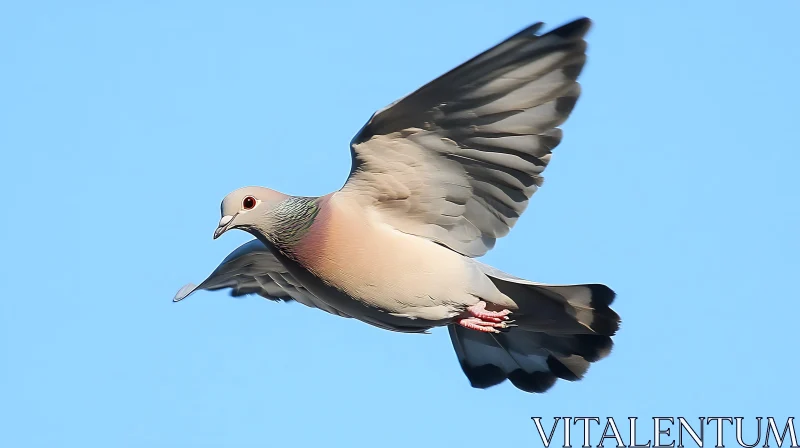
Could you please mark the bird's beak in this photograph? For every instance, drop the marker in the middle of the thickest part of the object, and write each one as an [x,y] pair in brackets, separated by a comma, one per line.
[223,226]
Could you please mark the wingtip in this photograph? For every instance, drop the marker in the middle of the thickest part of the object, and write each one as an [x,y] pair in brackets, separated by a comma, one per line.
[184,292]
[533,28]
[578,27]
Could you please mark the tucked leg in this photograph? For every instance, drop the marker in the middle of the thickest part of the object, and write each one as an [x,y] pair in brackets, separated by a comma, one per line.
[479,310]
[473,323]
[480,319]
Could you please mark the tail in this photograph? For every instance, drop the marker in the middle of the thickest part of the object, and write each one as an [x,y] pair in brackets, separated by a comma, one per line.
[561,330]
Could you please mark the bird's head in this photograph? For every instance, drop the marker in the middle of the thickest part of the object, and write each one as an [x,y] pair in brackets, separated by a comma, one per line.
[247,208]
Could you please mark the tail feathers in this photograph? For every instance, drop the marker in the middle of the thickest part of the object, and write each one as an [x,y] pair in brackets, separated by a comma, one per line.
[557,309]
[531,361]
[561,330]
[562,309]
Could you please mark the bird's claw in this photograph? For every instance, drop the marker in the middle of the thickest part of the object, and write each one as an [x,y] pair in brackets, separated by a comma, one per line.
[479,311]
[474,323]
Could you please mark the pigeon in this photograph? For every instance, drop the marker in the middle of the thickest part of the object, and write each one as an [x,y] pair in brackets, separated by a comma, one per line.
[436,178]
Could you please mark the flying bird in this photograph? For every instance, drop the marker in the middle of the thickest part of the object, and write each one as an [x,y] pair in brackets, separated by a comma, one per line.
[437,177]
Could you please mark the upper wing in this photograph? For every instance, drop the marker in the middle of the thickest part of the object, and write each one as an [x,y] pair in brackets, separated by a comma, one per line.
[457,160]
[253,269]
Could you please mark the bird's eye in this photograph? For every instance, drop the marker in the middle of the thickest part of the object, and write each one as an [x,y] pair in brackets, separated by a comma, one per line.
[248,203]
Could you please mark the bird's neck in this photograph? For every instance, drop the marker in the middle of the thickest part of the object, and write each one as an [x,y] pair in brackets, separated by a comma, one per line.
[291,222]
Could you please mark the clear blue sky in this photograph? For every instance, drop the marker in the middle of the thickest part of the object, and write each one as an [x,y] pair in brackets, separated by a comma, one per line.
[123,125]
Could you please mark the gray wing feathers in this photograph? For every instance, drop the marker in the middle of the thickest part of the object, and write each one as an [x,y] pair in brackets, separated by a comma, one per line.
[457,160]
[253,269]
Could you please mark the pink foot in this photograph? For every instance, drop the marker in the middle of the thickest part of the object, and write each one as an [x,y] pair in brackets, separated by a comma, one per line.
[479,310]
[473,323]
[481,319]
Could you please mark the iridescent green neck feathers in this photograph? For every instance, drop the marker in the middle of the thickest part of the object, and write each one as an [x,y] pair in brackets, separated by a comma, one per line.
[290,220]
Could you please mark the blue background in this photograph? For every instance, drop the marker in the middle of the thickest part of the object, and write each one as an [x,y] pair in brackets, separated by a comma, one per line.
[123,125]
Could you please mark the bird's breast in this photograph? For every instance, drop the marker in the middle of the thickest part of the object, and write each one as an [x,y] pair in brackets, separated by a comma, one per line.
[350,249]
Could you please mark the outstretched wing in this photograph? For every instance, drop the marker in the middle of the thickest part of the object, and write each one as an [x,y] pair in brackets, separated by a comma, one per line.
[457,160]
[253,269]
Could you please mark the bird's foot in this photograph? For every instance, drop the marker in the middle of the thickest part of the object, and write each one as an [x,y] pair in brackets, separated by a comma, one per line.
[477,324]
[478,318]
[479,311]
